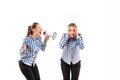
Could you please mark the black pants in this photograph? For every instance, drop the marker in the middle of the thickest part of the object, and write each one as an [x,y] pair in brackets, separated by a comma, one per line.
[75,69]
[30,72]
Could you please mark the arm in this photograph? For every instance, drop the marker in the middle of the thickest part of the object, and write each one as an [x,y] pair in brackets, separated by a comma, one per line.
[24,44]
[24,47]
[63,41]
[80,41]
[42,45]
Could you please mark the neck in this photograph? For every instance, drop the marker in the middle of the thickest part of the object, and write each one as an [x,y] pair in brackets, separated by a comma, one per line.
[34,35]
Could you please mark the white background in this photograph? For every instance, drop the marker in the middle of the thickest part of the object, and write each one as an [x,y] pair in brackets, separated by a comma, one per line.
[97,20]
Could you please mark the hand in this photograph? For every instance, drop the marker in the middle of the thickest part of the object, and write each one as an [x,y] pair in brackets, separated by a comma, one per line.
[24,47]
[46,38]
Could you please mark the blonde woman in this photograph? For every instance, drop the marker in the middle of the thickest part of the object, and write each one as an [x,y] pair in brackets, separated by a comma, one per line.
[71,43]
[29,50]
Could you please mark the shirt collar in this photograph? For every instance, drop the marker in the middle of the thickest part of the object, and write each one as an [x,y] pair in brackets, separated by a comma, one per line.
[32,37]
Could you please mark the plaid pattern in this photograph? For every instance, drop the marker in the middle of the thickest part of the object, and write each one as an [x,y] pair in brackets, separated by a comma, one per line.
[33,45]
[71,48]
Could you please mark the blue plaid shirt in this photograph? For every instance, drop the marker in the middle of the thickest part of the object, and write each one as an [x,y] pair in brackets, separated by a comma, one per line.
[71,48]
[33,45]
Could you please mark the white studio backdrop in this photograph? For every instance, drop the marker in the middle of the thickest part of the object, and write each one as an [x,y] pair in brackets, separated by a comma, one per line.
[91,17]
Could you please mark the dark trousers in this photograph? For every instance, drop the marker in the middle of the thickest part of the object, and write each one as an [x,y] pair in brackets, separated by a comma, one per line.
[30,72]
[75,69]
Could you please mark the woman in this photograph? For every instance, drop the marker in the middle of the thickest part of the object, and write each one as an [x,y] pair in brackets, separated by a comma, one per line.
[71,43]
[29,50]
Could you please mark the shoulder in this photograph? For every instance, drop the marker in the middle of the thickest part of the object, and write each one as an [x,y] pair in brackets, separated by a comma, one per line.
[27,38]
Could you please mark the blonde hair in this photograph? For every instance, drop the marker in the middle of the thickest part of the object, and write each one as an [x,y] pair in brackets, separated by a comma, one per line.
[72,24]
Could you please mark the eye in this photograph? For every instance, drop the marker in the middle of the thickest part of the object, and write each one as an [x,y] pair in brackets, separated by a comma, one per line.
[74,30]
[70,30]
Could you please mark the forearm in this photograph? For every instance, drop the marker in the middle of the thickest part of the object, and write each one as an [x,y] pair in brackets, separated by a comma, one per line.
[80,42]
[43,47]
[63,41]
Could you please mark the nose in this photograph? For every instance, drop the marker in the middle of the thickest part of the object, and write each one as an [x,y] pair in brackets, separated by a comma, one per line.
[71,32]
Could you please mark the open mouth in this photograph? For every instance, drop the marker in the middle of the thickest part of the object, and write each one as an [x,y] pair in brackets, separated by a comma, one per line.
[40,32]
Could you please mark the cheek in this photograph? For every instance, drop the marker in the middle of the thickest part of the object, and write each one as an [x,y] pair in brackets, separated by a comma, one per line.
[37,30]
[74,32]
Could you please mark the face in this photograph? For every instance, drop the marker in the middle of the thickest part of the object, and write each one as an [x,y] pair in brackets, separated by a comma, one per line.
[37,30]
[72,31]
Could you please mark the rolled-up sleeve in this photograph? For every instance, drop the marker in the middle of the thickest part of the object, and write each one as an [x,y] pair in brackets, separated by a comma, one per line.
[80,42]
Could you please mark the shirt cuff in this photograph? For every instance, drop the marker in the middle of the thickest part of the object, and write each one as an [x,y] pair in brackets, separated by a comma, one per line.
[66,36]
[44,43]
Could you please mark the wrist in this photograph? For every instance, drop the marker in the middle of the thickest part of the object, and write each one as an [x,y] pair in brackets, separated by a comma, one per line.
[45,41]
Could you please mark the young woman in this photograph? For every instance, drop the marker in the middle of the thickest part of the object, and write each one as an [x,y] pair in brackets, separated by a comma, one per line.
[71,43]
[29,50]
